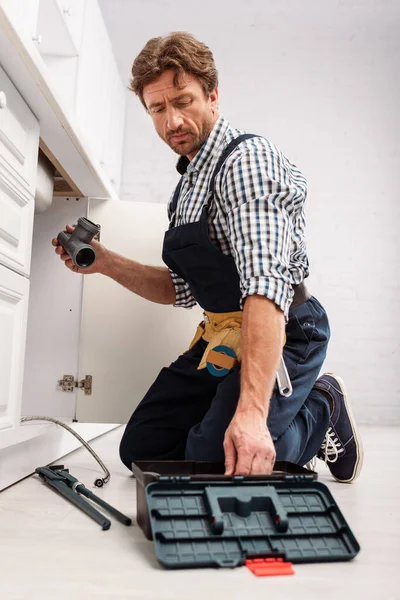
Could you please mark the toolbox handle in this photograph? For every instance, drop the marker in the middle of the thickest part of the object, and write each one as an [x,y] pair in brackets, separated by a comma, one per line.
[244,501]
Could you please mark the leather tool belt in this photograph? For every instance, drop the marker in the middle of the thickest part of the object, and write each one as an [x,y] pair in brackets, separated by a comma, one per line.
[223,329]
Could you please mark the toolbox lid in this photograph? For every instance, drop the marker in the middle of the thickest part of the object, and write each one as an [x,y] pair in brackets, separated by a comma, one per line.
[146,471]
[223,523]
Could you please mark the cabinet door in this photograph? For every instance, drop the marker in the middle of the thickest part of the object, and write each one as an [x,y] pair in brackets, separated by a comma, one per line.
[125,340]
[16,223]
[93,79]
[100,97]
[14,291]
[55,298]
[114,118]
[73,14]
[22,14]
[19,138]
[60,26]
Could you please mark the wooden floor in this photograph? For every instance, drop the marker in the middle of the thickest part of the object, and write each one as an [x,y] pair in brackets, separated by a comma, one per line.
[50,550]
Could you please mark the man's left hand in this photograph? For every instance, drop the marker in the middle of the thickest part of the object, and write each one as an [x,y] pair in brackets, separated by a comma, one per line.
[248,446]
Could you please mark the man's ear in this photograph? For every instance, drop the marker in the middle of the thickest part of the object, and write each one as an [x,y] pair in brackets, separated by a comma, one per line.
[214,100]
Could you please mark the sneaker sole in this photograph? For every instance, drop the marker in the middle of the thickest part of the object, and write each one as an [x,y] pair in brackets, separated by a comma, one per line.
[357,439]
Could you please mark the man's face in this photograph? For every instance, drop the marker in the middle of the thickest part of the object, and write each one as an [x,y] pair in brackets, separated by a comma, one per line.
[183,117]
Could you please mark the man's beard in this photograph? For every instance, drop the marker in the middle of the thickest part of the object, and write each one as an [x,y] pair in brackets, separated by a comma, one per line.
[192,143]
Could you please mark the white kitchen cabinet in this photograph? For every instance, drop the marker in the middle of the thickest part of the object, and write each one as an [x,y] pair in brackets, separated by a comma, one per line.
[19,136]
[59,30]
[23,14]
[113,132]
[59,27]
[16,219]
[39,344]
[73,13]
[73,42]
[68,42]
[52,345]
[14,292]
[100,95]
[92,82]
[19,139]
[64,24]
[31,368]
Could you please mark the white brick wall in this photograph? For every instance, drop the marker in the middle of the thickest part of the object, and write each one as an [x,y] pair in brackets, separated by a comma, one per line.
[321,81]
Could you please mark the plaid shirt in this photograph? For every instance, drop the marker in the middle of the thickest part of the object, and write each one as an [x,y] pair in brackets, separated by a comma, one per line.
[256,214]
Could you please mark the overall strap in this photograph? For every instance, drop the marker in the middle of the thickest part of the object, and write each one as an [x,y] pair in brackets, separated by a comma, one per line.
[176,196]
[227,151]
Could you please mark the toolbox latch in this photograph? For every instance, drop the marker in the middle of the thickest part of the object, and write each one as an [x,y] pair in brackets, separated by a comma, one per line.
[266,567]
[299,478]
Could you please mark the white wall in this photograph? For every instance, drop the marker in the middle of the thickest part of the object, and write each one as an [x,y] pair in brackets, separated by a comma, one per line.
[320,79]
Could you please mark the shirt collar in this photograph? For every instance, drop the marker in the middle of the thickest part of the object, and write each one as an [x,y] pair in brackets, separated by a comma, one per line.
[214,140]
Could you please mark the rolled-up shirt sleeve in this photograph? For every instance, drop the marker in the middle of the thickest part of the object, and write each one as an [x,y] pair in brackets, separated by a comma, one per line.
[184,297]
[263,199]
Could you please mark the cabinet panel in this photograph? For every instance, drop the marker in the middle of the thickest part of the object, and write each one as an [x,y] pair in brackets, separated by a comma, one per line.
[59,27]
[114,128]
[73,12]
[52,342]
[100,100]
[19,137]
[16,223]
[93,79]
[14,292]
[22,14]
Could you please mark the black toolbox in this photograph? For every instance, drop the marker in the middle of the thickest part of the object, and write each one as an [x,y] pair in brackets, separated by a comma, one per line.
[198,517]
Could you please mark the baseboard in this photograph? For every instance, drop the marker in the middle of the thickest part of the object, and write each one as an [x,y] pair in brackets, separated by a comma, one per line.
[20,460]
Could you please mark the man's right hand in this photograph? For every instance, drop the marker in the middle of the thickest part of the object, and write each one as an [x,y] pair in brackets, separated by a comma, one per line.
[99,265]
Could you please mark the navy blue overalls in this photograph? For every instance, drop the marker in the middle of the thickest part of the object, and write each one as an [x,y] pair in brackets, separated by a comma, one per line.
[186,411]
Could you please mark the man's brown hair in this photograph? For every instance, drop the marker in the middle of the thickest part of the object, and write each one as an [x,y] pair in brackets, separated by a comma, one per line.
[179,51]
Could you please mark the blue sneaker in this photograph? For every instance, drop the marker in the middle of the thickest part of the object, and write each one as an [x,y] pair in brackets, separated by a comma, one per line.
[342,448]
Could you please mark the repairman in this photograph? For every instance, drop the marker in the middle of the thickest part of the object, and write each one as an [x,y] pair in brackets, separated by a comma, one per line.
[235,246]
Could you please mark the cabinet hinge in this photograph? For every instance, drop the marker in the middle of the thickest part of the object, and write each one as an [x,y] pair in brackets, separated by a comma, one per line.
[68,383]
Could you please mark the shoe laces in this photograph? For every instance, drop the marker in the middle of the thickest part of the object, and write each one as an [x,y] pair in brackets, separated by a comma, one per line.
[331,447]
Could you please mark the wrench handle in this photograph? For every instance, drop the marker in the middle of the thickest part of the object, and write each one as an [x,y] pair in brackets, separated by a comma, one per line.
[283,380]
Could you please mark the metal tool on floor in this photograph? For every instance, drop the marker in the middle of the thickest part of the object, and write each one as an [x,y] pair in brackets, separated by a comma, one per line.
[99,481]
[68,486]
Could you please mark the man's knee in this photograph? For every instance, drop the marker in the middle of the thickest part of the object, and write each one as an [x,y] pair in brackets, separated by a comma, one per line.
[146,443]
[202,449]
[136,444]
[128,451]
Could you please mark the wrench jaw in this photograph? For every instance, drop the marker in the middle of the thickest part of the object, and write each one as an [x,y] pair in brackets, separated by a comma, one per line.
[283,380]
